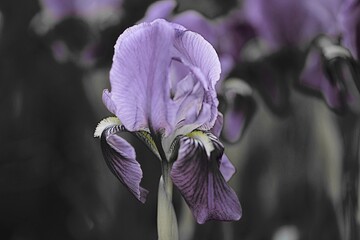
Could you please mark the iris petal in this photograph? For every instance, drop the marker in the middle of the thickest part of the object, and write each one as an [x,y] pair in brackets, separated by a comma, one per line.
[121,158]
[198,178]
[138,76]
[226,168]
[203,62]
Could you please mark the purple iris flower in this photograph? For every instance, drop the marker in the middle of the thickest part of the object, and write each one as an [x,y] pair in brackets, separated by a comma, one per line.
[163,91]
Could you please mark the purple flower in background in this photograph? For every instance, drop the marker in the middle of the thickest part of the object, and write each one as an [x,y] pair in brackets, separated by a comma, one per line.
[290,22]
[331,70]
[163,91]
[239,107]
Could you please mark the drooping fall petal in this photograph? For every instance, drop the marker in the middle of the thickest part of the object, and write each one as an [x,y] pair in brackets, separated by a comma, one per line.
[196,174]
[121,158]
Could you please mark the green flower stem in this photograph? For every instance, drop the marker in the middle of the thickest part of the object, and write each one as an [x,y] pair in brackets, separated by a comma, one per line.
[166,221]
[166,168]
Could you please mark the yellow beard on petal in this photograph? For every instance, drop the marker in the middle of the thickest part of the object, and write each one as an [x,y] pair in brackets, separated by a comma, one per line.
[107,122]
[204,139]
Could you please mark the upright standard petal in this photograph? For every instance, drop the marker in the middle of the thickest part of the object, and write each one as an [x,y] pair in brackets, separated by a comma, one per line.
[121,159]
[138,77]
[196,174]
[201,58]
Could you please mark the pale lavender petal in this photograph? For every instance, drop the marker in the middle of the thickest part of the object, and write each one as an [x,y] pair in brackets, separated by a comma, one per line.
[159,9]
[199,56]
[108,102]
[139,86]
[121,158]
[216,130]
[203,62]
[199,180]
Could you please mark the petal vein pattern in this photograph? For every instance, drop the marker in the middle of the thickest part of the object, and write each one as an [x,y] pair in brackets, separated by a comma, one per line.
[201,183]
[138,76]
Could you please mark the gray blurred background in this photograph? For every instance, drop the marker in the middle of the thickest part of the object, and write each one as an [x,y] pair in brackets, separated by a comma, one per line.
[54,183]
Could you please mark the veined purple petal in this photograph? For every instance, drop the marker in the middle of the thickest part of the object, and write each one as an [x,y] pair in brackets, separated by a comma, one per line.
[204,64]
[121,158]
[138,77]
[146,92]
[198,178]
